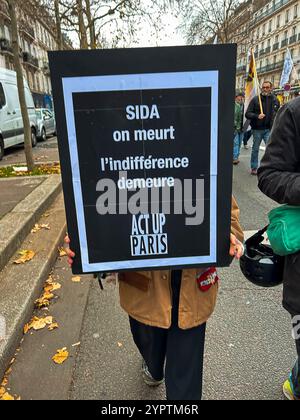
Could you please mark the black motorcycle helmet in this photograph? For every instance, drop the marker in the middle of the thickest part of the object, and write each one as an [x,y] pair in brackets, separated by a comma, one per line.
[259,264]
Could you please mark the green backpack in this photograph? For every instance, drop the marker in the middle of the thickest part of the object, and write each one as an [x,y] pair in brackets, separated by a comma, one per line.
[284,230]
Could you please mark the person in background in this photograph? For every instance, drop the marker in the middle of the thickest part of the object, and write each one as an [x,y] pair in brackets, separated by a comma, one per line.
[168,311]
[238,126]
[247,136]
[261,120]
[279,179]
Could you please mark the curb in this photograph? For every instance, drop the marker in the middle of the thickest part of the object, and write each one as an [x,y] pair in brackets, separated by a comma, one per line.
[16,225]
[21,285]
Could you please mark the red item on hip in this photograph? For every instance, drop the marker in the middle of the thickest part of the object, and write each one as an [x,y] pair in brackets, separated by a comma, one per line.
[207,279]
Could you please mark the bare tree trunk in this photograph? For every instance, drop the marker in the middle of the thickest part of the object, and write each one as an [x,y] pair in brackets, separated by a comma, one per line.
[82,30]
[20,82]
[58,25]
[93,42]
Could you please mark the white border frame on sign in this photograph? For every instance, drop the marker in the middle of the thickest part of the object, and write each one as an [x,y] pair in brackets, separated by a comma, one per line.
[149,81]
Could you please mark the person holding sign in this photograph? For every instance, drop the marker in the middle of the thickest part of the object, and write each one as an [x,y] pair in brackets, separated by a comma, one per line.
[261,113]
[168,311]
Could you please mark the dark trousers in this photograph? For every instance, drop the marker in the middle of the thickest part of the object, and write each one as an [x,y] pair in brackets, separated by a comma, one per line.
[295,375]
[247,136]
[174,353]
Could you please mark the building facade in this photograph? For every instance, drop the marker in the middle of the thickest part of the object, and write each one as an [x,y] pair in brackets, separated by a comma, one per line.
[273,27]
[36,37]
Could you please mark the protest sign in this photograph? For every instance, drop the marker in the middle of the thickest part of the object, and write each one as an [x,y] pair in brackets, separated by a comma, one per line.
[145,141]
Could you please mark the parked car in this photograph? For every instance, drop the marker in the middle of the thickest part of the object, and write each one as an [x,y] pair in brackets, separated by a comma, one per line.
[46,125]
[11,122]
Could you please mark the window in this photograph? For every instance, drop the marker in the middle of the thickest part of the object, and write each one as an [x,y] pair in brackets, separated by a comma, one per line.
[2,97]
[294,31]
[270,26]
[296,11]
[287,16]
[276,39]
[278,21]
[7,33]
[264,30]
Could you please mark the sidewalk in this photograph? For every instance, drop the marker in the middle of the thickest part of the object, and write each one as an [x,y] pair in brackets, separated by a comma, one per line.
[14,190]
[26,201]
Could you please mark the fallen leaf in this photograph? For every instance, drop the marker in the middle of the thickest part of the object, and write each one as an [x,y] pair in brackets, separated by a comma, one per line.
[61,356]
[7,397]
[53,326]
[4,382]
[25,257]
[76,279]
[120,345]
[52,286]
[48,296]
[42,303]
[26,328]
[76,344]
[62,252]
[38,227]
[45,226]
[2,391]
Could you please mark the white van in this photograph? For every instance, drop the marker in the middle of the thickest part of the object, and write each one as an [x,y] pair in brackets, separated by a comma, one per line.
[11,122]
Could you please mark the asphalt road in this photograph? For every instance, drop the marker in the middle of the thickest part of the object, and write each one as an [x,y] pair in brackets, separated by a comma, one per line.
[43,152]
[249,349]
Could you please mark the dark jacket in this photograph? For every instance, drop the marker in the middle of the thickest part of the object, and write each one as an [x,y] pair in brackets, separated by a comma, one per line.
[279,179]
[270,107]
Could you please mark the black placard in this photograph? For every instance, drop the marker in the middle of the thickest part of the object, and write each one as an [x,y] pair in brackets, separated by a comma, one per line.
[160,120]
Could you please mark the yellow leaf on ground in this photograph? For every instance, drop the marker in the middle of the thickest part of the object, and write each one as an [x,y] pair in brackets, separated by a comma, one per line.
[47,226]
[61,356]
[36,228]
[76,279]
[62,252]
[42,303]
[53,326]
[25,257]
[7,397]
[38,325]
[48,296]
[26,328]
[4,382]
[120,345]
[2,391]
[52,286]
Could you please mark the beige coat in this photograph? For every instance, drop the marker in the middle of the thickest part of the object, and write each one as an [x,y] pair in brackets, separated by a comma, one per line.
[147,297]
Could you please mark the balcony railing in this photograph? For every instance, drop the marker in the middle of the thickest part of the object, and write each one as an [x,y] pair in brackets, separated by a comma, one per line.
[271,67]
[261,53]
[293,39]
[241,69]
[5,45]
[30,59]
[270,11]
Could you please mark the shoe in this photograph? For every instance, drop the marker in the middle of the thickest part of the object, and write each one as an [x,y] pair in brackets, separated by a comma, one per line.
[253,171]
[236,162]
[288,391]
[148,378]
